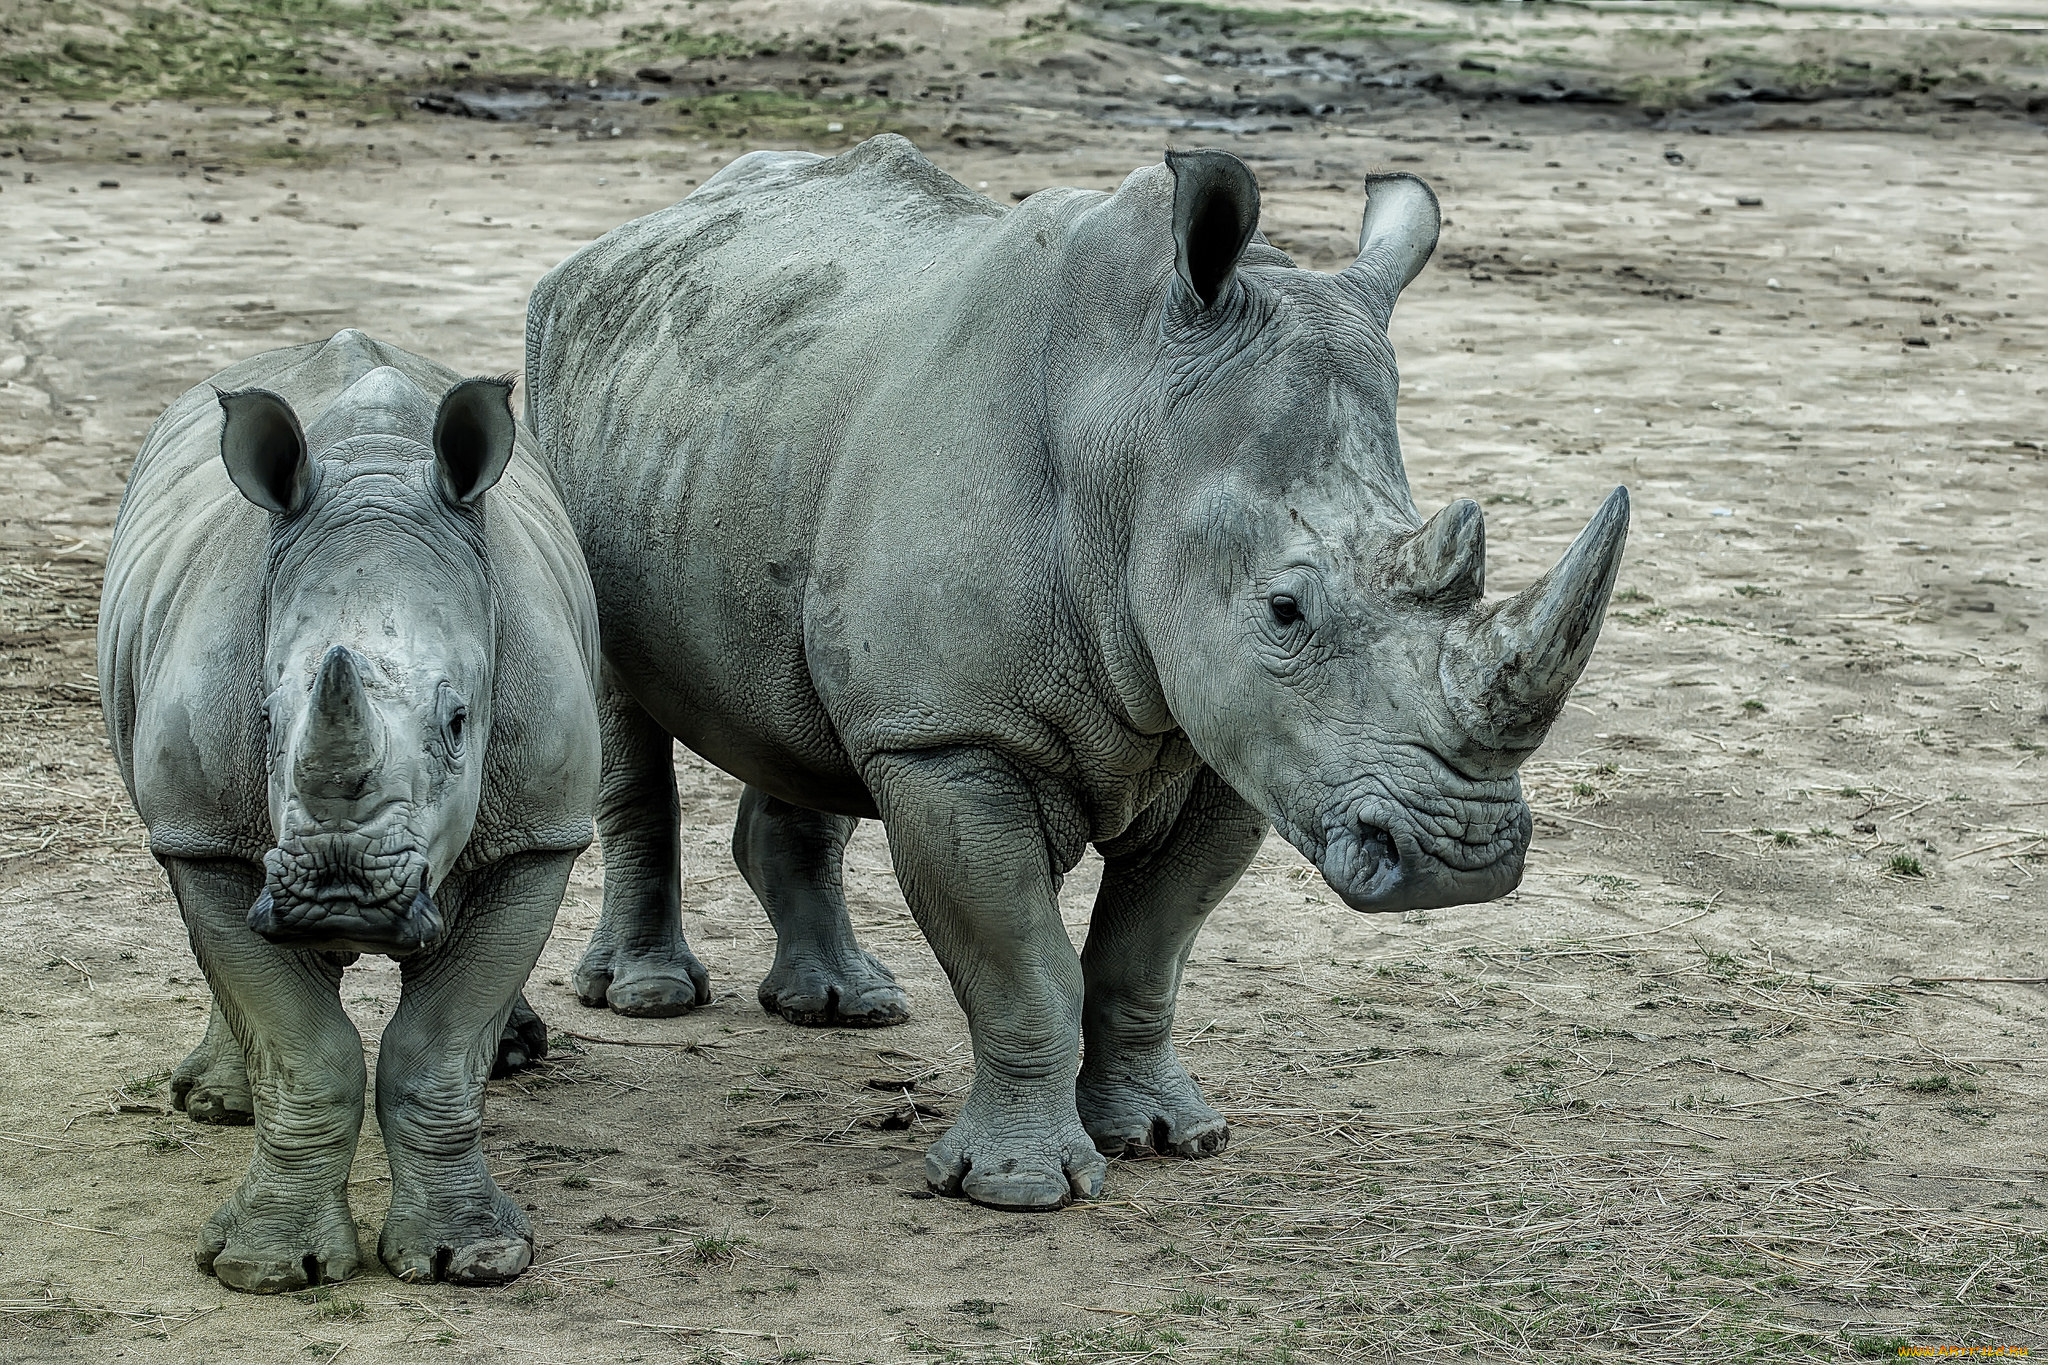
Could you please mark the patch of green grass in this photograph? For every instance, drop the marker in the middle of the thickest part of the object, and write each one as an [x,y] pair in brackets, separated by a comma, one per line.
[1904,865]
[712,1248]
[341,1310]
[141,1087]
[578,1181]
[1754,707]
[250,49]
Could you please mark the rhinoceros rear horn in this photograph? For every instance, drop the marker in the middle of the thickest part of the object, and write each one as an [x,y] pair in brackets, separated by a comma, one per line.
[473,438]
[1399,233]
[1444,563]
[1215,213]
[264,449]
[1506,672]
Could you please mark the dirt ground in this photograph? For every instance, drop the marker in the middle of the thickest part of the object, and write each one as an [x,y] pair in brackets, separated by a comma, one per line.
[1749,1068]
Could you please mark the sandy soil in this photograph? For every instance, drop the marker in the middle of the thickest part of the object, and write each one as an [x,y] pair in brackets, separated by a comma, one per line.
[1749,1068]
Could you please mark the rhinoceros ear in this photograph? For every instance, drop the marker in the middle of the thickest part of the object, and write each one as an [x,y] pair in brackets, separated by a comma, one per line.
[473,438]
[1215,213]
[1400,230]
[264,449]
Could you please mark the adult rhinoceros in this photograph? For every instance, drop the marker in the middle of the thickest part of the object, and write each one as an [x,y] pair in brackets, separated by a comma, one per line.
[1020,530]
[347,657]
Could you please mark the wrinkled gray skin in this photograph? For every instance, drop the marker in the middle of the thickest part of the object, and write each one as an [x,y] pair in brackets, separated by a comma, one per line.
[1019,530]
[348,654]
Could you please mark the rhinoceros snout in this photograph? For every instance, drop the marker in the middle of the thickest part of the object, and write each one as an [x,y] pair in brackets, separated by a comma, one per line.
[1384,868]
[395,929]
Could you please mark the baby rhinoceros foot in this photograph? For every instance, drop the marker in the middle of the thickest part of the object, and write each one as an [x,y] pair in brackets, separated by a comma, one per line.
[523,1041]
[650,983]
[1150,1109]
[273,1239]
[1026,1151]
[854,991]
[488,1242]
[212,1086]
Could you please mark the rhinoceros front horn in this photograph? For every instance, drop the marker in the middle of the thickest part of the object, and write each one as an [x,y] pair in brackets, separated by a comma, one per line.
[1506,672]
[343,741]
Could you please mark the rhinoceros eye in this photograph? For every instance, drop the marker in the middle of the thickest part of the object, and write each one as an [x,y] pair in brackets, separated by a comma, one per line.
[1284,608]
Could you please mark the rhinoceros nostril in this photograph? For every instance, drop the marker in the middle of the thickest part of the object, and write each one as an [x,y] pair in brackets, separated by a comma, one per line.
[1378,855]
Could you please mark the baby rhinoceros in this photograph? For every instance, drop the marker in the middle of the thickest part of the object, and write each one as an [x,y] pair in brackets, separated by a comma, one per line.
[347,653]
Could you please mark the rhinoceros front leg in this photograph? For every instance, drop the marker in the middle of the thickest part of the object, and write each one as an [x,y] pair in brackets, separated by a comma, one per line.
[211,1085]
[638,961]
[791,857]
[1133,1093]
[449,1220]
[971,852]
[289,1225]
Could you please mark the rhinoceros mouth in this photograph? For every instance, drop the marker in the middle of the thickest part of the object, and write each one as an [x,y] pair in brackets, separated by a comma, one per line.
[338,892]
[1385,855]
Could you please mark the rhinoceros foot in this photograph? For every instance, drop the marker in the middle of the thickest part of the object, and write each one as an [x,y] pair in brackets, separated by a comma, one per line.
[1025,1151]
[211,1085]
[1150,1109]
[271,1239]
[523,1042]
[486,1242]
[855,991]
[651,983]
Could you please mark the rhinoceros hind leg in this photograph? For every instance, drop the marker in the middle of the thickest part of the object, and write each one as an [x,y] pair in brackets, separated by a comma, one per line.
[638,961]
[969,843]
[522,1042]
[211,1085]
[821,977]
[1159,884]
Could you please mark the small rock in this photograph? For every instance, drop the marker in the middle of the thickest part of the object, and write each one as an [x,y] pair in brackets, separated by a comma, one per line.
[210,217]
[1916,341]
[655,74]
[1674,156]
[1865,827]
[1749,201]
[110,184]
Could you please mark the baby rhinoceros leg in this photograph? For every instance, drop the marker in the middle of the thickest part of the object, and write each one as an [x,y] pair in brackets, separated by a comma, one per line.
[289,1225]
[449,1220]
[212,1085]
[638,961]
[791,857]
[1133,1093]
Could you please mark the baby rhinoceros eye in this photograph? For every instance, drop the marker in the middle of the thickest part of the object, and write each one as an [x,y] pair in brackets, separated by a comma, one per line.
[1284,608]
[454,720]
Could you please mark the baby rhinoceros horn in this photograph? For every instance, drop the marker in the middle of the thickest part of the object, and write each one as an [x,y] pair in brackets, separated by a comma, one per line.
[1507,671]
[344,740]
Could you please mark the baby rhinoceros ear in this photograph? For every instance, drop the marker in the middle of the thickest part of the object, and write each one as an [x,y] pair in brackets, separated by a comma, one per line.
[473,438]
[264,450]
